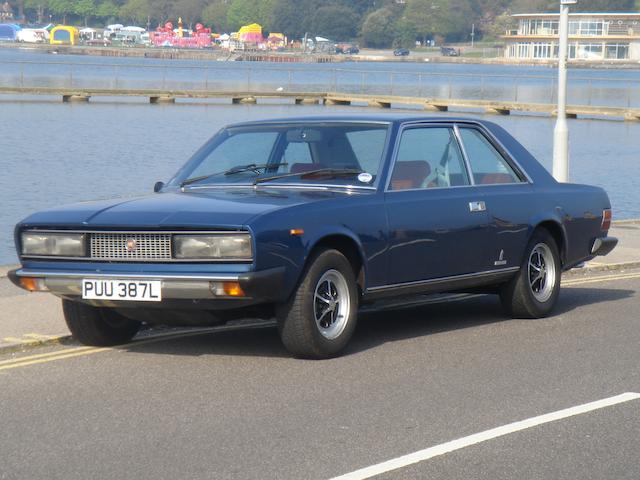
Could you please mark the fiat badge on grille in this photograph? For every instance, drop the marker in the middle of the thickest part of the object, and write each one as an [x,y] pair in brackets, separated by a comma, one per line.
[132,244]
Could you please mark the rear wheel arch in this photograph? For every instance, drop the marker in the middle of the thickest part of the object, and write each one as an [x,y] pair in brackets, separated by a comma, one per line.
[557,232]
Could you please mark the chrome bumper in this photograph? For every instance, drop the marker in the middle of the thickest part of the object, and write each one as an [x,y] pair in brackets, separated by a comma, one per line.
[604,245]
[265,285]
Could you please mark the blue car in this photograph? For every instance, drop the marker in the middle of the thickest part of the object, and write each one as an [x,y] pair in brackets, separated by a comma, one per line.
[307,219]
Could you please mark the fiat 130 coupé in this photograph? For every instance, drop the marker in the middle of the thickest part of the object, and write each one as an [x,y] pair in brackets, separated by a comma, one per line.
[307,219]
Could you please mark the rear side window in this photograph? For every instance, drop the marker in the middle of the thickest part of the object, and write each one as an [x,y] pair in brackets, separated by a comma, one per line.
[487,165]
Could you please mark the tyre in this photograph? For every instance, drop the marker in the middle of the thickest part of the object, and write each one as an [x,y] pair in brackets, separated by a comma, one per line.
[320,317]
[98,326]
[533,292]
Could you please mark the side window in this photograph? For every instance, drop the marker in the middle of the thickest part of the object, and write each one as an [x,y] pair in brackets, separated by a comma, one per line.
[487,165]
[368,146]
[428,157]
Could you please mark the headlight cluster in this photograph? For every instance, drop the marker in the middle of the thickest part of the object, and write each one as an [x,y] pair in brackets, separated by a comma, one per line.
[222,246]
[54,244]
[196,246]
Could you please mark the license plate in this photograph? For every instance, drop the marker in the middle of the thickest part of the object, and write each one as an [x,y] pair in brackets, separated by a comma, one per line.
[138,290]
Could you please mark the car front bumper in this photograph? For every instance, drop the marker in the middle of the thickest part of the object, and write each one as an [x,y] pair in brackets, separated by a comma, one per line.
[185,289]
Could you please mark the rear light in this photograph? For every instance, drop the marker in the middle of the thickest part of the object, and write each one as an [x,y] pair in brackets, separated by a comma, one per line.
[606,219]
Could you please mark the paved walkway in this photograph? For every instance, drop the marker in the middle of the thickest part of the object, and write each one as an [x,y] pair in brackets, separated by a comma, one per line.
[33,319]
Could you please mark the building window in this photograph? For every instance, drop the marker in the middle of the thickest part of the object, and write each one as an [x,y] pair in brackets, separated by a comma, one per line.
[616,51]
[592,28]
[590,51]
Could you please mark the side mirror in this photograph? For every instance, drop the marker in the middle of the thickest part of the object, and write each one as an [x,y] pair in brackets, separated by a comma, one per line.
[158,186]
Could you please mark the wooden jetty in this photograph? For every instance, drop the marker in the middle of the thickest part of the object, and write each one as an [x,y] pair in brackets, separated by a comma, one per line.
[378,101]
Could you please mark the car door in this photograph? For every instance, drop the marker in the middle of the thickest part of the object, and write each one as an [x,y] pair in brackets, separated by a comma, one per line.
[508,197]
[436,218]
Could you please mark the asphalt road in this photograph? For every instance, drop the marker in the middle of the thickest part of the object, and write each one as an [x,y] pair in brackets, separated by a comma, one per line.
[231,404]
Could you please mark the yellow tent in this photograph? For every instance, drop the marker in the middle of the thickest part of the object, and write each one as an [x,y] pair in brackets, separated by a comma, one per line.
[63,35]
[250,33]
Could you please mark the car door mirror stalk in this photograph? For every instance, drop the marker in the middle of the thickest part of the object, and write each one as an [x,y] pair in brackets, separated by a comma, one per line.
[158,186]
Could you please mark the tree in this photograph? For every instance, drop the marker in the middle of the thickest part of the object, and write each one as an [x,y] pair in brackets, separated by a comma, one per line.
[378,29]
[292,17]
[39,7]
[335,21]
[444,18]
[215,16]
[189,10]
[84,9]
[500,25]
[107,10]
[604,6]
[135,11]
[242,12]
[61,8]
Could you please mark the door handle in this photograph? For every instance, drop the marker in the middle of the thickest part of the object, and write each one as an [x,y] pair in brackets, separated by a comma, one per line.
[477,206]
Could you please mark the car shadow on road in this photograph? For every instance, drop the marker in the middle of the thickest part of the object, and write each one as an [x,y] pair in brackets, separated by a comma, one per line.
[374,328]
[393,325]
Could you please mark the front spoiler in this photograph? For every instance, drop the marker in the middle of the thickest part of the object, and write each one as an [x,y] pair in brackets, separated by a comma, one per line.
[265,286]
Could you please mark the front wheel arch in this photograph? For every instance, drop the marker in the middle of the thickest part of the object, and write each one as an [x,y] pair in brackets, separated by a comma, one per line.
[348,247]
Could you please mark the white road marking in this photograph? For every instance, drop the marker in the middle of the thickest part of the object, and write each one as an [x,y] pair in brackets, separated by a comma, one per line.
[427,453]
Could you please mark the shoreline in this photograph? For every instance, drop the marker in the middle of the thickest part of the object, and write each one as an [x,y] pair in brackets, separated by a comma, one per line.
[365,55]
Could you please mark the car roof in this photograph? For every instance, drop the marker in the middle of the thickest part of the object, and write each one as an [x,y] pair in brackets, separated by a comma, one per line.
[397,118]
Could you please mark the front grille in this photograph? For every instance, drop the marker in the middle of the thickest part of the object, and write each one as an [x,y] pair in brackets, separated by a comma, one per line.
[130,246]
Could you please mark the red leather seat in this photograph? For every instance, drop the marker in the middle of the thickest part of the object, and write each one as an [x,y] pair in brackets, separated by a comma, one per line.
[410,174]
[304,167]
[492,178]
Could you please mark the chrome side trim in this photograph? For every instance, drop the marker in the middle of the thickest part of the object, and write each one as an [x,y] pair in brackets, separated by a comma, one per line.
[435,281]
[25,272]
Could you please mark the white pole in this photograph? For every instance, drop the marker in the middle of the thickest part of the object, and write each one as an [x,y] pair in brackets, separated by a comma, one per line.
[561,132]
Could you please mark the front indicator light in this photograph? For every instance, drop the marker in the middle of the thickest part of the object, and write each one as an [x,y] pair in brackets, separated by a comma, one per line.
[33,284]
[227,289]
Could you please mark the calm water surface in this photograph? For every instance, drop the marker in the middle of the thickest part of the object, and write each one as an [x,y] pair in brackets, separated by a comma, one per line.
[54,153]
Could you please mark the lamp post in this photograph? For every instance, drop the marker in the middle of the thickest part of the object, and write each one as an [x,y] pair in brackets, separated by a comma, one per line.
[561,131]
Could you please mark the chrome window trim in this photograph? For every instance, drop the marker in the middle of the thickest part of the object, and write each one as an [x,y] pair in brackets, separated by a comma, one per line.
[502,150]
[396,148]
[433,281]
[465,157]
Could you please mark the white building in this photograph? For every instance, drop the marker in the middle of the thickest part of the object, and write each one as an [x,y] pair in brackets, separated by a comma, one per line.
[592,36]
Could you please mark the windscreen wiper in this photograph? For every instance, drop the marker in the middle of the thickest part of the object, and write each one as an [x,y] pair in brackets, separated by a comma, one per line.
[329,172]
[240,168]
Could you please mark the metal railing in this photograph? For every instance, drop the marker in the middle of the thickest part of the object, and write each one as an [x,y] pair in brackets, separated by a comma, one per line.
[258,77]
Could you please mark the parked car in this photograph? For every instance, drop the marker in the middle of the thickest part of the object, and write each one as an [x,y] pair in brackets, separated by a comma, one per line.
[449,52]
[309,218]
[401,52]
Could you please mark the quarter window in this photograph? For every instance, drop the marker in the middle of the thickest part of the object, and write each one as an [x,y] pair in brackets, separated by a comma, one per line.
[487,165]
[428,158]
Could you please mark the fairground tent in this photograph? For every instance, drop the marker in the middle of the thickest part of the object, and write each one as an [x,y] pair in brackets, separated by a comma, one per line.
[250,33]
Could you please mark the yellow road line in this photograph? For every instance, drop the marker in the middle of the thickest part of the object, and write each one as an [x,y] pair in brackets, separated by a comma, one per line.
[603,278]
[81,351]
